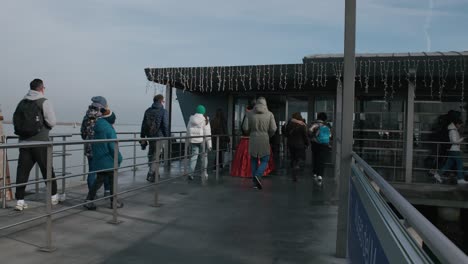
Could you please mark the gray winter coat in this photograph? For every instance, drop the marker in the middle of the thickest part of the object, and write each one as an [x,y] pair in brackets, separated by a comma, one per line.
[260,125]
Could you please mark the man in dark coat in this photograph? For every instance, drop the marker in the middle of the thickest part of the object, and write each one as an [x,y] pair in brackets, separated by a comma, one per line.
[155,124]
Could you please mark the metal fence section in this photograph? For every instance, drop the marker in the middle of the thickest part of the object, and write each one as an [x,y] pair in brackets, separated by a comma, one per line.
[66,147]
[378,235]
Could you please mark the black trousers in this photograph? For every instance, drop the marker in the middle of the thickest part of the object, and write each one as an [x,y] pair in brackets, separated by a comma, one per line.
[319,153]
[100,177]
[28,157]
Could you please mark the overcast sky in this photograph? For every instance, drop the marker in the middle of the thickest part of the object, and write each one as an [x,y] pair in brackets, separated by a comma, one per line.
[97,47]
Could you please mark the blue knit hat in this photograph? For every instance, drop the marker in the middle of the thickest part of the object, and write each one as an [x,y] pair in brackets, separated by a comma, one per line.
[200,109]
[99,100]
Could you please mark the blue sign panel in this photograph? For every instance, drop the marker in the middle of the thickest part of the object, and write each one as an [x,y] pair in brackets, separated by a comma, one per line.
[363,244]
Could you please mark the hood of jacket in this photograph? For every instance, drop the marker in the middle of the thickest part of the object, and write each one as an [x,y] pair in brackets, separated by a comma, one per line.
[157,105]
[101,126]
[261,106]
[197,120]
[33,95]
[452,127]
[299,122]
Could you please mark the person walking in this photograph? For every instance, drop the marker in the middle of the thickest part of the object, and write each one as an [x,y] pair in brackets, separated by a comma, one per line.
[103,159]
[260,125]
[320,137]
[454,154]
[155,124]
[97,109]
[218,128]
[298,141]
[199,128]
[33,119]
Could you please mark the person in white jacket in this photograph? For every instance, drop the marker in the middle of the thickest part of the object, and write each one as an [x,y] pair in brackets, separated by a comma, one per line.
[454,153]
[199,127]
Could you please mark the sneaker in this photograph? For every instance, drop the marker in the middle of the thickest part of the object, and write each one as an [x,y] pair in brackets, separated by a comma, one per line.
[62,197]
[319,180]
[55,199]
[190,177]
[119,204]
[315,176]
[106,193]
[258,182]
[21,205]
[462,181]
[150,176]
[437,177]
[90,206]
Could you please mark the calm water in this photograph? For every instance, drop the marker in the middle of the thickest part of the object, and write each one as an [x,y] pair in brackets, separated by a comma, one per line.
[75,160]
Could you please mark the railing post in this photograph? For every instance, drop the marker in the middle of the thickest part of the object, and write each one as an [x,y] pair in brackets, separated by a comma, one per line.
[155,166]
[115,187]
[48,247]
[437,158]
[231,150]
[36,176]
[186,156]
[4,191]
[134,156]
[180,147]
[204,154]
[217,158]
[64,164]
[84,162]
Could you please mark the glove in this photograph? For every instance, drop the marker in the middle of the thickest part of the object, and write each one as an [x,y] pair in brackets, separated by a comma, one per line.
[143,144]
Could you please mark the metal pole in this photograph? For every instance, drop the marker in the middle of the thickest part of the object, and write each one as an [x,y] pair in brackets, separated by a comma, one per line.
[36,172]
[84,162]
[115,187]
[64,164]
[203,167]
[134,156]
[186,156]
[180,146]
[347,126]
[217,158]
[48,247]
[155,165]
[4,192]
[409,134]
[231,148]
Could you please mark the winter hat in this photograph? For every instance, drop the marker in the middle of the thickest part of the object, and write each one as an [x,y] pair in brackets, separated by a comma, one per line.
[200,109]
[99,101]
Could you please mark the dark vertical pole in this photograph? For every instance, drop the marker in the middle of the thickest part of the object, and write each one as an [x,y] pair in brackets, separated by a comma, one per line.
[347,126]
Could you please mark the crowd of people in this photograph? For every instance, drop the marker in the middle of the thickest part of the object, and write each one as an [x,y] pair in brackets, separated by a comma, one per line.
[34,118]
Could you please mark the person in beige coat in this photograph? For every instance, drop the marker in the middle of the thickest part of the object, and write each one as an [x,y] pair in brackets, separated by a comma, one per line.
[260,126]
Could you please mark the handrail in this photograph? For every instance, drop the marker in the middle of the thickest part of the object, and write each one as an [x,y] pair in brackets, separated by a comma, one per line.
[35,144]
[442,247]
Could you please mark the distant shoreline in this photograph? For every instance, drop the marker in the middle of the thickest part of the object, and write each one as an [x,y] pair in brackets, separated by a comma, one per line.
[8,122]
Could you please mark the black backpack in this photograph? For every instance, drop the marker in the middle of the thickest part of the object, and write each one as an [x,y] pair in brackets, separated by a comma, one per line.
[28,119]
[150,126]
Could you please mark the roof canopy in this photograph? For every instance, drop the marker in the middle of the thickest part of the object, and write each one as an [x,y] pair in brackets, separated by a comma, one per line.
[384,69]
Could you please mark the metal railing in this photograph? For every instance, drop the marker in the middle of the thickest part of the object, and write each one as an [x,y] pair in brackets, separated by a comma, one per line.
[437,242]
[428,157]
[155,164]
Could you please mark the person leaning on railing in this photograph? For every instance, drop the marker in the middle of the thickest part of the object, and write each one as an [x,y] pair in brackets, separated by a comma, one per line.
[454,153]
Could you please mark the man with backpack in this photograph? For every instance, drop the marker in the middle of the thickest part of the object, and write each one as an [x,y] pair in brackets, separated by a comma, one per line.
[320,138]
[33,119]
[155,124]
